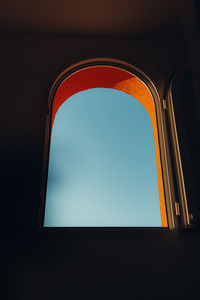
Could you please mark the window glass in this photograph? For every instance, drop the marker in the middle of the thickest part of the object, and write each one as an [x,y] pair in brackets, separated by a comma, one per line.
[102,165]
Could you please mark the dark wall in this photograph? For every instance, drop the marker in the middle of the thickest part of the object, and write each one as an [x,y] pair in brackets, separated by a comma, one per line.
[40,265]
[30,64]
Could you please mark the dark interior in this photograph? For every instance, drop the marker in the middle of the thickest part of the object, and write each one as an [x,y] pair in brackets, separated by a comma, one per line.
[39,39]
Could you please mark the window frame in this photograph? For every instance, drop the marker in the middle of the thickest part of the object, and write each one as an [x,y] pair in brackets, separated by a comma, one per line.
[177,161]
[173,219]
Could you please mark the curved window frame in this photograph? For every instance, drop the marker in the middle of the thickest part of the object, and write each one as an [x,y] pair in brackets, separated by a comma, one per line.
[164,149]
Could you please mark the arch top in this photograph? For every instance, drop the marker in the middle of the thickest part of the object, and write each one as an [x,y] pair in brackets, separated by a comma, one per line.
[100,74]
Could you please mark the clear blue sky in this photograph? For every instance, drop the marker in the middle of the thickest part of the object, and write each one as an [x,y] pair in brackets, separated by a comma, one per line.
[102,169]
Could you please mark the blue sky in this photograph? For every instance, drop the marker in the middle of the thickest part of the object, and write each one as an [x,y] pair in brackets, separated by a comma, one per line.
[102,167]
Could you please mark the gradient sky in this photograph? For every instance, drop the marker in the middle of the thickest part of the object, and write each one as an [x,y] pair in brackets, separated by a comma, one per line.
[102,167]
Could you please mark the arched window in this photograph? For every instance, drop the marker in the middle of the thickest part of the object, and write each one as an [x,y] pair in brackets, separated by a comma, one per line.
[104,150]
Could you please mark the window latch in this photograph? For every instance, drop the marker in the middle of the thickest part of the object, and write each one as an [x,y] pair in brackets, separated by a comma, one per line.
[164,102]
[177,209]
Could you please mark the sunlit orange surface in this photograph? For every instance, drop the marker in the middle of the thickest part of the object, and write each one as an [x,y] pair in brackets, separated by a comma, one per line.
[112,77]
